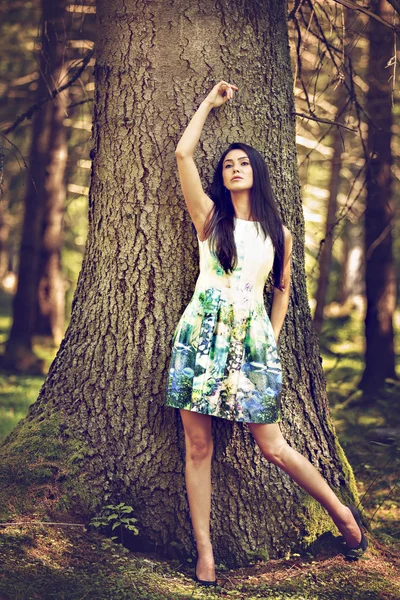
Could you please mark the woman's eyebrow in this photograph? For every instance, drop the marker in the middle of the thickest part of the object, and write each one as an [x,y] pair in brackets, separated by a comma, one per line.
[231,159]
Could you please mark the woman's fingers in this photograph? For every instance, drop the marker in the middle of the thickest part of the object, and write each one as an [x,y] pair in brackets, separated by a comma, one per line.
[221,93]
[226,89]
[231,85]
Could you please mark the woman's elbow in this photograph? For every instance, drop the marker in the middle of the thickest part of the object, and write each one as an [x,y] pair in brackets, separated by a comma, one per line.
[181,153]
[283,290]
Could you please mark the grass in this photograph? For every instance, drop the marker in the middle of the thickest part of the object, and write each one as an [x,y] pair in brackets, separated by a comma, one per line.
[70,563]
[17,392]
[42,562]
[358,418]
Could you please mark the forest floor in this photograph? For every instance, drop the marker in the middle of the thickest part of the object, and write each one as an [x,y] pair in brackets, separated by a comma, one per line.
[40,561]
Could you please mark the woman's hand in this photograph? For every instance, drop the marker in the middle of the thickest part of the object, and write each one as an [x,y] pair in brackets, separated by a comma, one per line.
[221,93]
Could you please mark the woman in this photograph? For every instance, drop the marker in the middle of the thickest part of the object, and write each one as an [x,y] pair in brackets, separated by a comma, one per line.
[225,360]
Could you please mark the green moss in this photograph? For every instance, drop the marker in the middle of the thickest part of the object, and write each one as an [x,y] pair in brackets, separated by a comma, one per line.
[35,439]
[39,464]
[317,521]
[351,493]
[46,563]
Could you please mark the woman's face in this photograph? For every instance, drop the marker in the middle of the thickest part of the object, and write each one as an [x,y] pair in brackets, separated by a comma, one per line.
[237,173]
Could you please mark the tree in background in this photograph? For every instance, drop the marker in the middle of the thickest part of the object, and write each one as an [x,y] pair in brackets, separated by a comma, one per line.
[379,214]
[364,165]
[40,288]
[351,288]
[325,258]
[39,305]
[100,417]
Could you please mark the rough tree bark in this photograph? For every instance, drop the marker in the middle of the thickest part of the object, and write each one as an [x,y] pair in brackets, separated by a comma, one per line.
[380,276]
[38,305]
[108,435]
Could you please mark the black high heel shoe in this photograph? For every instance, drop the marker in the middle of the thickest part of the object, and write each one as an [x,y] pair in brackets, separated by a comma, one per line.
[355,553]
[203,582]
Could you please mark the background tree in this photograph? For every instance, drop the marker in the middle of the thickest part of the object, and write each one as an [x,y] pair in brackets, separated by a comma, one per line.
[351,289]
[39,260]
[101,409]
[380,275]
[347,36]
[39,304]
[325,258]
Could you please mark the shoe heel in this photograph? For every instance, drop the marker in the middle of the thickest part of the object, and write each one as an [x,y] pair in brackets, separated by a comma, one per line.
[358,551]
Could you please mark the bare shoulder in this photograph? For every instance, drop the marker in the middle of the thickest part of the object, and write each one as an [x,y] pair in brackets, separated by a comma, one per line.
[288,239]
[287,234]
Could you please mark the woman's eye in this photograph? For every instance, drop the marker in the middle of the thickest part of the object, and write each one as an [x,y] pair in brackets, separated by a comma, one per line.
[244,163]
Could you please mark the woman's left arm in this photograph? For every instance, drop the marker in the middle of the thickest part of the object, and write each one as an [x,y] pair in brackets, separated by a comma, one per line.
[280,301]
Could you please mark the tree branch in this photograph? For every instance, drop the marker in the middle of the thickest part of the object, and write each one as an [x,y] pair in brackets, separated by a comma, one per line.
[354,6]
[28,114]
[328,121]
[395,4]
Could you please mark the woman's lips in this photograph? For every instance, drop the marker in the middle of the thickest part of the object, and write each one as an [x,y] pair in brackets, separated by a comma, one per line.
[236,178]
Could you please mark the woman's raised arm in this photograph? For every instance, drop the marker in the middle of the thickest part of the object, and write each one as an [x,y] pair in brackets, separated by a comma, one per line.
[197,201]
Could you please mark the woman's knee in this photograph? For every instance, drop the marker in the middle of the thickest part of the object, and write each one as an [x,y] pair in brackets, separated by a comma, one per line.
[199,447]
[270,440]
[275,451]
[198,438]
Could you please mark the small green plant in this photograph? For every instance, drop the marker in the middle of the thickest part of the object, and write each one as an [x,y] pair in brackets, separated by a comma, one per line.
[116,516]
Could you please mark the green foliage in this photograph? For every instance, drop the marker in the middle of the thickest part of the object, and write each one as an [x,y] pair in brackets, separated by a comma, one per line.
[17,394]
[116,516]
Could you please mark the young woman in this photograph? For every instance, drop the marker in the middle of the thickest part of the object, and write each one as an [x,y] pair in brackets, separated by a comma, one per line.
[225,360]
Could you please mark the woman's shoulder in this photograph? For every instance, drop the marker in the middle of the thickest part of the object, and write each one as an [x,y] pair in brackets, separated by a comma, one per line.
[287,233]
[288,238]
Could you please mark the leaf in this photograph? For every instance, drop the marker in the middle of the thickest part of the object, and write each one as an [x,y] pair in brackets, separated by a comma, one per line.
[133,528]
[112,517]
[114,526]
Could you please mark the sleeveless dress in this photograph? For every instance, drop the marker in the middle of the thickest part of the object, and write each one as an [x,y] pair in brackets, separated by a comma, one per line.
[224,360]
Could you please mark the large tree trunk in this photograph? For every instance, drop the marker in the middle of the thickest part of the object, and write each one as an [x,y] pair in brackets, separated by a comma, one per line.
[102,405]
[39,277]
[380,275]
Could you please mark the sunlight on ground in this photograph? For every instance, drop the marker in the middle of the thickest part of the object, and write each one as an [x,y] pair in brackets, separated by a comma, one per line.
[40,561]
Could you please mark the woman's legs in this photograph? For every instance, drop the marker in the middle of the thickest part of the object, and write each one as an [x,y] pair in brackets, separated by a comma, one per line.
[275,449]
[199,450]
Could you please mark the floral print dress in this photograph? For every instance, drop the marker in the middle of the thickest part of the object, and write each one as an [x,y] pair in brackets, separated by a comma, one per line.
[224,360]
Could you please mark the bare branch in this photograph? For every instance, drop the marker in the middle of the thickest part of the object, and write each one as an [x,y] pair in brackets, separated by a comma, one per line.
[28,114]
[395,4]
[354,6]
[328,121]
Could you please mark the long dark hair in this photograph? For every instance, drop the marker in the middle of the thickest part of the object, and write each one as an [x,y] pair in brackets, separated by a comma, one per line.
[219,223]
